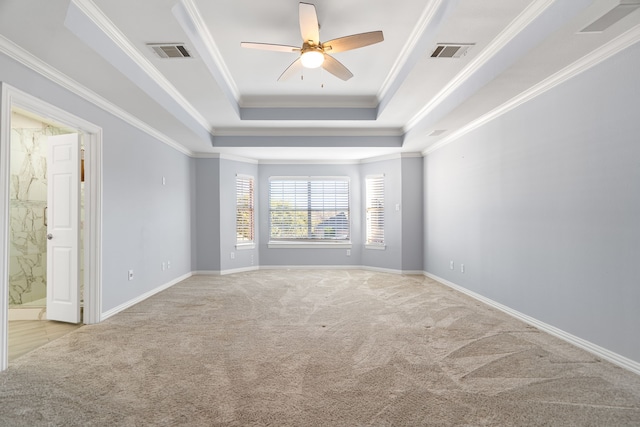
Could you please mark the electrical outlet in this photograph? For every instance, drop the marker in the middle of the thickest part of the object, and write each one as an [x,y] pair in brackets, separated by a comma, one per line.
[164,267]
[233,255]
[130,274]
[450,265]
[461,268]
[348,252]
[168,265]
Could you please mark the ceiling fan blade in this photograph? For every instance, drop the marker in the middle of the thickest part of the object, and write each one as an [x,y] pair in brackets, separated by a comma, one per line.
[353,41]
[294,68]
[269,46]
[334,66]
[309,23]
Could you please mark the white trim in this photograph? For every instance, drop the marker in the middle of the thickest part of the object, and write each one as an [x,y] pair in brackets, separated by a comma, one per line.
[342,178]
[342,267]
[310,267]
[394,156]
[245,246]
[594,58]
[237,270]
[194,25]
[224,156]
[375,247]
[5,149]
[601,352]
[206,273]
[309,245]
[93,228]
[12,97]
[412,43]
[102,22]
[25,58]
[109,313]
[497,44]
[381,269]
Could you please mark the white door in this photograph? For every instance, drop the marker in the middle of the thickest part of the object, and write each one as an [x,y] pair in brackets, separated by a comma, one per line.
[63,229]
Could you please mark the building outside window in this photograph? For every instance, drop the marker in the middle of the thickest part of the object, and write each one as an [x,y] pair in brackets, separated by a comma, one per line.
[309,209]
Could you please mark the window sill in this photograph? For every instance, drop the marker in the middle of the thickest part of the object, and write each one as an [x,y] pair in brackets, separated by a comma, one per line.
[245,246]
[376,247]
[309,245]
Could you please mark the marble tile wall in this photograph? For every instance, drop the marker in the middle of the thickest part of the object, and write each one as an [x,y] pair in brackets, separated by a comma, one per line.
[28,200]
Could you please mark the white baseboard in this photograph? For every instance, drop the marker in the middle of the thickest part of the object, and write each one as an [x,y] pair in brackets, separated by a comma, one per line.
[592,348]
[238,270]
[105,315]
[390,270]
[310,267]
[306,267]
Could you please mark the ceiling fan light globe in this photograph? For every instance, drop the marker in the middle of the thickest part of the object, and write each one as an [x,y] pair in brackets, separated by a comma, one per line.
[312,59]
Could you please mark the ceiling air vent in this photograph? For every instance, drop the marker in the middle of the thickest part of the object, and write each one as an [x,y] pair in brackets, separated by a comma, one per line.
[451,50]
[437,132]
[169,50]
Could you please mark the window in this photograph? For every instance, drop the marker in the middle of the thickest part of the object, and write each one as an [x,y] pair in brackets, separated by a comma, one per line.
[375,211]
[245,223]
[311,209]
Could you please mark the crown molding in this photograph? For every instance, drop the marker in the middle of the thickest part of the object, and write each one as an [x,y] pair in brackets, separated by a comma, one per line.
[424,33]
[394,156]
[104,24]
[588,61]
[194,26]
[35,64]
[225,156]
[412,44]
[532,12]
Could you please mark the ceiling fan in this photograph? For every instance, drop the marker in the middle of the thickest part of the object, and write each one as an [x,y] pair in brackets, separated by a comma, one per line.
[313,53]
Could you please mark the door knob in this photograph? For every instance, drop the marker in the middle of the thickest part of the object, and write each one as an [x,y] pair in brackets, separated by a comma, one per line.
[49,236]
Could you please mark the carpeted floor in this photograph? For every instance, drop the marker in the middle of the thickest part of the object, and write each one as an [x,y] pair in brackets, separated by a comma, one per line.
[314,348]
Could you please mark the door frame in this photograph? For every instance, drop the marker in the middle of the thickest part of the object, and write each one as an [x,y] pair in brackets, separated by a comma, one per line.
[92,134]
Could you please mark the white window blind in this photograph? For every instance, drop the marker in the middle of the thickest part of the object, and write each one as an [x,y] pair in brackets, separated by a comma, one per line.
[374,209]
[309,208]
[245,219]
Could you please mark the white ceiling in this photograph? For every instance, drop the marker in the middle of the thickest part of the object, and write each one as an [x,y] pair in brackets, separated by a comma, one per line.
[228,100]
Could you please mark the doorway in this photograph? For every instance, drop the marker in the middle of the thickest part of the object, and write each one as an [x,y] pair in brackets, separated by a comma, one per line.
[29,212]
[25,204]
[33,322]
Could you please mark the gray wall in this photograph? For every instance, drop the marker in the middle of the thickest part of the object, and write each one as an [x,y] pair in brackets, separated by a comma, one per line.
[242,258]
[207,215]
[144,222]
[391,256]
[412,215]
[542,205]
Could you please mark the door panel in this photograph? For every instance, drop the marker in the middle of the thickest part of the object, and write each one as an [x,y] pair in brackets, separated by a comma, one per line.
[63,238]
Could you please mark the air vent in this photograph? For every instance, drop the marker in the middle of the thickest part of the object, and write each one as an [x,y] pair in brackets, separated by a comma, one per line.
[451,50]
[437,132]
[169,50]
[614,15]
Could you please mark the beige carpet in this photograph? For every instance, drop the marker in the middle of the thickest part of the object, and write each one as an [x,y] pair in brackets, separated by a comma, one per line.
[293,348]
